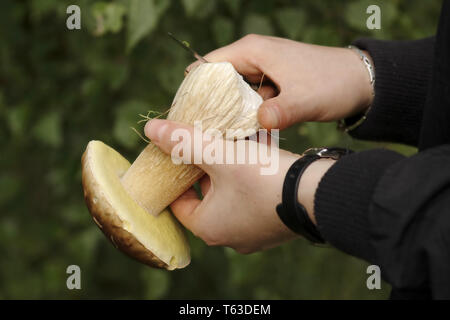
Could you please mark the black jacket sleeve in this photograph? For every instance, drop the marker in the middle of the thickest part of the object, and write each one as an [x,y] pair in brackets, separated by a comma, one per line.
[393,212]
[402,74]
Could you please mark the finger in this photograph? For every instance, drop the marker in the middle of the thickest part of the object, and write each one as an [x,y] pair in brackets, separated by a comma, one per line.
[267,92]
[252,75]
[182,142]
[238,56]
[249,77]
[184,208]
[265,137]
[243,54]
[192,66]
[277,113]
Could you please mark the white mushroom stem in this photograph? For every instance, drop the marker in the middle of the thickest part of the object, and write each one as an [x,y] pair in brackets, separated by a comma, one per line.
[154,181]
[214,93]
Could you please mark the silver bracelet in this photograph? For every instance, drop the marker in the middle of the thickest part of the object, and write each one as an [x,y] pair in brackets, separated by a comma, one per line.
[371,71]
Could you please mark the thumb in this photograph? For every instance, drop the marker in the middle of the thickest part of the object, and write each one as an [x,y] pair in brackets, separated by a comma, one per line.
[276,113]
[185,209]
[182,142]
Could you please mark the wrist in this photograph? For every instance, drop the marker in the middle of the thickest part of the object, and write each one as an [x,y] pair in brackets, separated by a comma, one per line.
[309,182]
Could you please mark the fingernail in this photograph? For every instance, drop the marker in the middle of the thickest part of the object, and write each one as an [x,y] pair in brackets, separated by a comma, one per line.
[271,117]
[154,129]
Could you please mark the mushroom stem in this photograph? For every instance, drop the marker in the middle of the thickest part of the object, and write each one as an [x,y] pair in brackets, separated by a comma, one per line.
[213,93]
[154,181]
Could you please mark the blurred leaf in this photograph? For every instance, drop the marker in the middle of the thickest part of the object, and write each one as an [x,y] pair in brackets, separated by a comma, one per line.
[127,116]
[291,21]
[108,17]
[143,18]
[57,178]
[18,118]
[256,23]
[403,149]
[42,7]
[170,69]
[223,30]
[48,130]
[320,134]
[157,283]
[191,6]
[355,14]
[9,186]
[321,36]
[76,215]
[83,244]
[198,8]
[2,102]
[233,5]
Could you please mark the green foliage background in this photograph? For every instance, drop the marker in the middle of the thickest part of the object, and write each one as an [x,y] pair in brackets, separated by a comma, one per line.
[60,88]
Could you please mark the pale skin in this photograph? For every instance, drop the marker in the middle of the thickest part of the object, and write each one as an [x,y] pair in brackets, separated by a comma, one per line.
[302,82]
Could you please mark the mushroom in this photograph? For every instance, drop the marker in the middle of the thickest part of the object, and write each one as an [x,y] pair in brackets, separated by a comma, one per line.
[128,202]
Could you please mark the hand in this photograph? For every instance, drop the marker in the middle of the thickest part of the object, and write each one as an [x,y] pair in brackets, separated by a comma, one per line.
[238,208]
[307,82]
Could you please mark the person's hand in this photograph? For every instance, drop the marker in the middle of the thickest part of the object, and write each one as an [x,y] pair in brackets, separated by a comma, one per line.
[238,208]
[307,82]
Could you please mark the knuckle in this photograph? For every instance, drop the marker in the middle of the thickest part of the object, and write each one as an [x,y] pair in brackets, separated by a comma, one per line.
[251,36]
[252,39]
[210,238]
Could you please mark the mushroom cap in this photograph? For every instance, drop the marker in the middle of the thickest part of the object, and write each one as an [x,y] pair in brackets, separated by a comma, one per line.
[158,241]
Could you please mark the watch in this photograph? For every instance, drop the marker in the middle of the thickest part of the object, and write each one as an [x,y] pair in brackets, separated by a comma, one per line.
[292,213]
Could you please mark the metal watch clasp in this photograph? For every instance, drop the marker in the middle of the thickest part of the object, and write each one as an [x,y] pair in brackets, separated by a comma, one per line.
[324,152]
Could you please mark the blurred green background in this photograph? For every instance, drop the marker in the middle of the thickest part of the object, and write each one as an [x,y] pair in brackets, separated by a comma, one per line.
[60,88]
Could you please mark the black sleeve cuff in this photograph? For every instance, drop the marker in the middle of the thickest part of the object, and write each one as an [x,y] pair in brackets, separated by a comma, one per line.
[402,73]
[343,198]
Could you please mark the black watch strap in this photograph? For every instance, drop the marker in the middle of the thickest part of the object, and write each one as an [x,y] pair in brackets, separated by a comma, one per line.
[290,211]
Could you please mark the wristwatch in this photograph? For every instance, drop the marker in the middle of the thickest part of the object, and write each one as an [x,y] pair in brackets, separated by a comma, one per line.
[292,213]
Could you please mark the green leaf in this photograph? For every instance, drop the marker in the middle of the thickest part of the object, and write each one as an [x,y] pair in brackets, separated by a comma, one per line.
[291,21]
[259,24]
[127,116]
[223,30]
[48,130]
[321,36]
[114,13]
[108,17]
[143,18]
[191,6]
[355,15]
[198,8]
[18,118]
[170,69]
[320,133]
